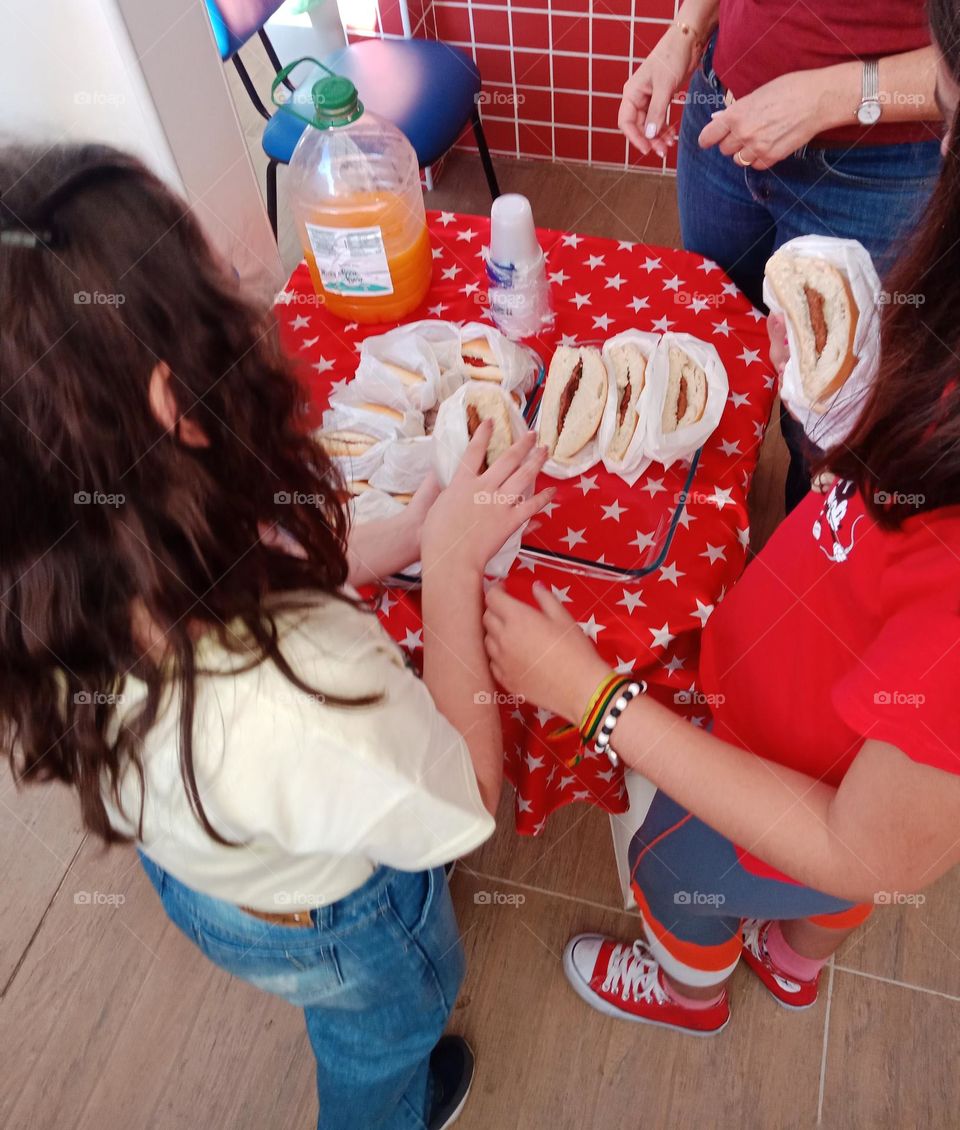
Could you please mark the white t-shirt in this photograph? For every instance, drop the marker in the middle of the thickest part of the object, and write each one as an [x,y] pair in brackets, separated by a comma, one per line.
[317,794]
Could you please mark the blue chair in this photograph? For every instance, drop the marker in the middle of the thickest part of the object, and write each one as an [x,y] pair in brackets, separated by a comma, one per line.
[427,89]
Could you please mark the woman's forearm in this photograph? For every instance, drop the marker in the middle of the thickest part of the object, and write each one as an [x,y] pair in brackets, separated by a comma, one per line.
[377,549]
[456,669]
[777,814]
[907,83]
[699,14]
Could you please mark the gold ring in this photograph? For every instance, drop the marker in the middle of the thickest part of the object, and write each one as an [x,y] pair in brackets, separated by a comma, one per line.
[738,157]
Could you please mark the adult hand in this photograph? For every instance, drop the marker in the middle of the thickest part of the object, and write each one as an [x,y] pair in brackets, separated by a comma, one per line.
[648,91]
[779,346]
[540,653]
[770,123]
[479,510]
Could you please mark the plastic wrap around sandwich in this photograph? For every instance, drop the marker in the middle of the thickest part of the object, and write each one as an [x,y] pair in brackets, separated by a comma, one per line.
[571,409]
[816,297]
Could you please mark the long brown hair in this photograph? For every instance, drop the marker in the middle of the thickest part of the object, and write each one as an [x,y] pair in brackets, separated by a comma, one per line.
[104,273]
[904,454]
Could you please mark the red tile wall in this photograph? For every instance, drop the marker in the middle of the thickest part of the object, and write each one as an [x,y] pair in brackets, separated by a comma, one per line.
[553,70]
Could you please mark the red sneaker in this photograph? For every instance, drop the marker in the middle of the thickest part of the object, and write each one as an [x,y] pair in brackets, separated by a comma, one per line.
[626,981]
[788,991]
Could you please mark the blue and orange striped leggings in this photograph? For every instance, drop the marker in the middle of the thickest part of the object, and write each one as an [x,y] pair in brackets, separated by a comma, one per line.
[693,894]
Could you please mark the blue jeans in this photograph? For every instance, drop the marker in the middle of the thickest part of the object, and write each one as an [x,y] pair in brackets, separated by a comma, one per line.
[739,217]
[376,975]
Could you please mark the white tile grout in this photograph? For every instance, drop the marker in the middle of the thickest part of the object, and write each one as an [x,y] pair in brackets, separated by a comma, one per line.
[464,869]
[898,984]
[826,1041]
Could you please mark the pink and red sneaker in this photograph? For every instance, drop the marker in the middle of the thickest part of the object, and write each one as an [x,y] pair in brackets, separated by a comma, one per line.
[626,981]
[787,990]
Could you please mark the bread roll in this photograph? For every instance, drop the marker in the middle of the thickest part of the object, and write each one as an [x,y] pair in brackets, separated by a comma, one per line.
[816,297]
[346,441]
[574,397]
[489,404]
[686,398]
[480,361]
[408,376]
[629,368]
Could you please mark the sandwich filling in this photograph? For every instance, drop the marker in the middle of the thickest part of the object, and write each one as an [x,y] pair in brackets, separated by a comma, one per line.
[818,321]
[682,399]
[569,392]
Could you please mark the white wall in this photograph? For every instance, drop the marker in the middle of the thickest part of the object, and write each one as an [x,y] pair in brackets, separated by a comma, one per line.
[144,75]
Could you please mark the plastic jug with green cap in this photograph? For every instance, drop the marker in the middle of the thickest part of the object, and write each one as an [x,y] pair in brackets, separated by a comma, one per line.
[354,185]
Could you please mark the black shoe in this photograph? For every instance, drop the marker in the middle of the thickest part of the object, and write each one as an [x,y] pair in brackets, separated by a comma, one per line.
[451,1066]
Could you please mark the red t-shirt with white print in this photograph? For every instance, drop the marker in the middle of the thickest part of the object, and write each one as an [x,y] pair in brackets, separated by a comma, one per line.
[838,632]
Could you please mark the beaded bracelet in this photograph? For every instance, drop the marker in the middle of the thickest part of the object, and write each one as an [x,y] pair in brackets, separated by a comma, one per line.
[627,695]
[599,704]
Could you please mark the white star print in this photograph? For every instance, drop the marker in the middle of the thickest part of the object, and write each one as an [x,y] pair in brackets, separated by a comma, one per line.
[759,427]
[707,266]
[350,327]
[323,365]
[436,253]
[731,289]
[543,715]
[662,324]
[654,486]
[651,265]
[466,236]
[412,640]
[438,309]
[625,666]
[768,381]
[568,339]
[533,762]
[739,399]
[661,636]
[587,483]
[714,553]
[644,541]
[469,288]
[639,304]
[729,448]
[631,601]
[549,509]
[743,537]
[625,245]
[559,277]
[722,497]
[571,240]
[698,305]
[671,573]
[574,537]
[594,261]
[686,518]
[602,321]
[674,665]
[702,612]
[672,284]
[309,343]
[563,595]
[385,603]
[523,805]
[582,794]
[721,328]
[581,300]
[300,322]
[757,315]
[339,386]
[446,218]
[591,628]
[748,356]
[614,510]
[615,281]
[450,272]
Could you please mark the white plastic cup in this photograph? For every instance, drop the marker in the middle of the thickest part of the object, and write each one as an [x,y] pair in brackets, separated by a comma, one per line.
[513,237]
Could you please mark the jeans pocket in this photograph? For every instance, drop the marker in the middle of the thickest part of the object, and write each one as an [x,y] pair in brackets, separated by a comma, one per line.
[891,167]
[411,897]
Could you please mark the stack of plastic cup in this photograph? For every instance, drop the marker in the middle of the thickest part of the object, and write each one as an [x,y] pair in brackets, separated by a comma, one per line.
[516,269]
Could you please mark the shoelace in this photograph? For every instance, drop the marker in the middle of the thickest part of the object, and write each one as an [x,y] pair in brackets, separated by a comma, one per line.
[634,971]
[753,929]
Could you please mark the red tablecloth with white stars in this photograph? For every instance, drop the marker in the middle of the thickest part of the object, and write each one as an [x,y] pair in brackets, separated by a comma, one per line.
[686,527]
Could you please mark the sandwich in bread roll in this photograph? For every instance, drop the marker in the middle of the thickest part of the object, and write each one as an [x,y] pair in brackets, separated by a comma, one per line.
[381,410]
[346,441]
[816,297]
[573,401]
[488,404]
[629,369]
[408,376]
[480,361]
[686,398]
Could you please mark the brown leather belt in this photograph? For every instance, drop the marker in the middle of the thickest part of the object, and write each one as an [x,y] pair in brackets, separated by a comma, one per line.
[294,918]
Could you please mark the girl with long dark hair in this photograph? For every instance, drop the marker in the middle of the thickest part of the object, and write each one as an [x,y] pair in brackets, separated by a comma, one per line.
[831,780]
[180,642]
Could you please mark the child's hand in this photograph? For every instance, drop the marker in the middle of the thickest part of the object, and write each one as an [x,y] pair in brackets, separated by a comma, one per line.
[541,654]
[478,511]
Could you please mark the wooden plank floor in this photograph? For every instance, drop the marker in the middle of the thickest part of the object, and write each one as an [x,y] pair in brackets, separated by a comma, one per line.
[111,1020]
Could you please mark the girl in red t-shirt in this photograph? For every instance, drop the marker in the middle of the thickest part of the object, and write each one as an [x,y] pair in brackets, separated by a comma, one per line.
[831,780]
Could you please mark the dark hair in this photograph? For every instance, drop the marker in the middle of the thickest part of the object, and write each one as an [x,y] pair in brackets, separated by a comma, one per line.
[904,454]
[104,511]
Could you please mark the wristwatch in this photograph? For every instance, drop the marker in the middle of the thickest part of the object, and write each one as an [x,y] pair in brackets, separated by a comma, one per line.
[869,110]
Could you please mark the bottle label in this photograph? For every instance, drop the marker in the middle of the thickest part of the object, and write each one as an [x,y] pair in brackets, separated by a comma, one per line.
[351,260]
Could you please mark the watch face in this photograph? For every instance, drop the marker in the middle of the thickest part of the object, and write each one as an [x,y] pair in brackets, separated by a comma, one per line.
[868,113]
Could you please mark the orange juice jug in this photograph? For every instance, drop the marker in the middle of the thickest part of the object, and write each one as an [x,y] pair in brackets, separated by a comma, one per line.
[354,183]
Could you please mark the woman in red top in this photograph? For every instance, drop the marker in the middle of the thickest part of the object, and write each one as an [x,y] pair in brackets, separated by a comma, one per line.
[831,780]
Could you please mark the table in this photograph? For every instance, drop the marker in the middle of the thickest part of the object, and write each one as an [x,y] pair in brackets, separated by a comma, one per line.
[686,527]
